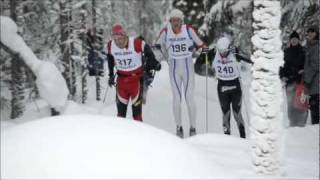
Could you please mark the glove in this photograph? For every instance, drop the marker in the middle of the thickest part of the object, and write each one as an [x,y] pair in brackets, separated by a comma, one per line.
[157,46]
[243,68]
[111,81]
[158,67]
[205,50]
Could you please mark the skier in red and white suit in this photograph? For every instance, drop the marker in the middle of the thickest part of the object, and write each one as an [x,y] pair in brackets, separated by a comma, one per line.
[131,57]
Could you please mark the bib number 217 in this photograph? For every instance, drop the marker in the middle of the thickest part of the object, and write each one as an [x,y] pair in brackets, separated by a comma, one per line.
[124,62]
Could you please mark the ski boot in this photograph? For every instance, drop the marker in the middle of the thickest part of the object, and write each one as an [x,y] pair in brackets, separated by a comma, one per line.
[179,131]
[192,131]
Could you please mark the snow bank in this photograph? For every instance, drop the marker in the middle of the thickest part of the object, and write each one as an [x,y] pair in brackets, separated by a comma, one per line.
[87,146]
[301,153]
[51,84]
[231,153]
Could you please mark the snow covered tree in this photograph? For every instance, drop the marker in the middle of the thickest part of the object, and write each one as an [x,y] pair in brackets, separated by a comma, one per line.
[194,10]
[17,76]
[298,15]
[64,43]
[265,91]
[232,17]
[84,72]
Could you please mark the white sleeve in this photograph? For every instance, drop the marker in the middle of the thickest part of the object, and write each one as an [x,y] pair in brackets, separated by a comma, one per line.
[162,41]
[195,37]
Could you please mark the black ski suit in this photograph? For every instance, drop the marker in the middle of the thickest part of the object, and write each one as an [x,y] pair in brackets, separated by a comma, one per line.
[229,89]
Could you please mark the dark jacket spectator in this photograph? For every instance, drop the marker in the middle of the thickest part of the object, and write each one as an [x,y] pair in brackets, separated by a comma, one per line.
[311,75]
[291,73]
[294,58]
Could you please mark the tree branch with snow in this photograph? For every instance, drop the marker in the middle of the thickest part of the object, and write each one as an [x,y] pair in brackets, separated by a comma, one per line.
[51,84]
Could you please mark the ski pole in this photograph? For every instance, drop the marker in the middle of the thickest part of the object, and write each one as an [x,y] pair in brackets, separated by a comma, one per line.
[105,94]
[207,66]
[244,100]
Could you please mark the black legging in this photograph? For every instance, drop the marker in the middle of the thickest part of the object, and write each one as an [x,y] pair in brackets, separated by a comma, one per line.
[229,92]
[314,108]
[136,108]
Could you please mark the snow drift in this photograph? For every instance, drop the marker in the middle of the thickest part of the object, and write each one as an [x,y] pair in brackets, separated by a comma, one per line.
[88,146]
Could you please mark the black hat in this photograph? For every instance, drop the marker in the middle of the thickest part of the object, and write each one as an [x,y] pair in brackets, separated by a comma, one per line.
[294,34]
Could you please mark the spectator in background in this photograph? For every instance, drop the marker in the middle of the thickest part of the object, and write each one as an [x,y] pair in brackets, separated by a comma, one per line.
[291,74]
[311,75]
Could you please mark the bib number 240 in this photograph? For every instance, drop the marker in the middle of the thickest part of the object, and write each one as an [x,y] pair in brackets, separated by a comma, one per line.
[226,69]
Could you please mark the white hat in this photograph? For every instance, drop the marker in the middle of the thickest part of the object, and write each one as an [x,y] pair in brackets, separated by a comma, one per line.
[176,13]
[223,44]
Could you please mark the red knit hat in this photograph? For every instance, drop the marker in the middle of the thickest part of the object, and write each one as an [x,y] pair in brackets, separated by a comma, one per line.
[117,29]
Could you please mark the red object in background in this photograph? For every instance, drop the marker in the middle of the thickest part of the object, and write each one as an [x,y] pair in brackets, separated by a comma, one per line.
[300,101]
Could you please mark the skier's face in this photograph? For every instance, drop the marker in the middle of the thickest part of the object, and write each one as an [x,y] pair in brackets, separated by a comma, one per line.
[294,41]
[311,35]
[224,53]
[120,40]
[175,23]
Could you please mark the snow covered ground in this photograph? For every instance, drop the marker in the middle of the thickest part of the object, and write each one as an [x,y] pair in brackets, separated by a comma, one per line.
[32,143]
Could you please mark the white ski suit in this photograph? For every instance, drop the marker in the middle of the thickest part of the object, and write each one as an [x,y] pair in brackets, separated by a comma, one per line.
[179,49]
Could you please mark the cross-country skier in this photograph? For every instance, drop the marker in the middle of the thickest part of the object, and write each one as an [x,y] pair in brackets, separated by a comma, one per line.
[178,40]
[224,59]
[126,54]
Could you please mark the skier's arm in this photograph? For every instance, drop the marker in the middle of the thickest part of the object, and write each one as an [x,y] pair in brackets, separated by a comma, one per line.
[240,57]
[195,37]
[149,58]
[160,43]
[110,60]
[110,64]
[151,61]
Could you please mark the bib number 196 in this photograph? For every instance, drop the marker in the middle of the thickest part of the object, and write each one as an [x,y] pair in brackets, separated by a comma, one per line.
[179,47]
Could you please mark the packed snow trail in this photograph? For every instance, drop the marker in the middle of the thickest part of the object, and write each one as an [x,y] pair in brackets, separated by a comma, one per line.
[158,109]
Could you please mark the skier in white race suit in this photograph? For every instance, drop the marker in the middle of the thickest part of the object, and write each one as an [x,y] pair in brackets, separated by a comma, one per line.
[177,40]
